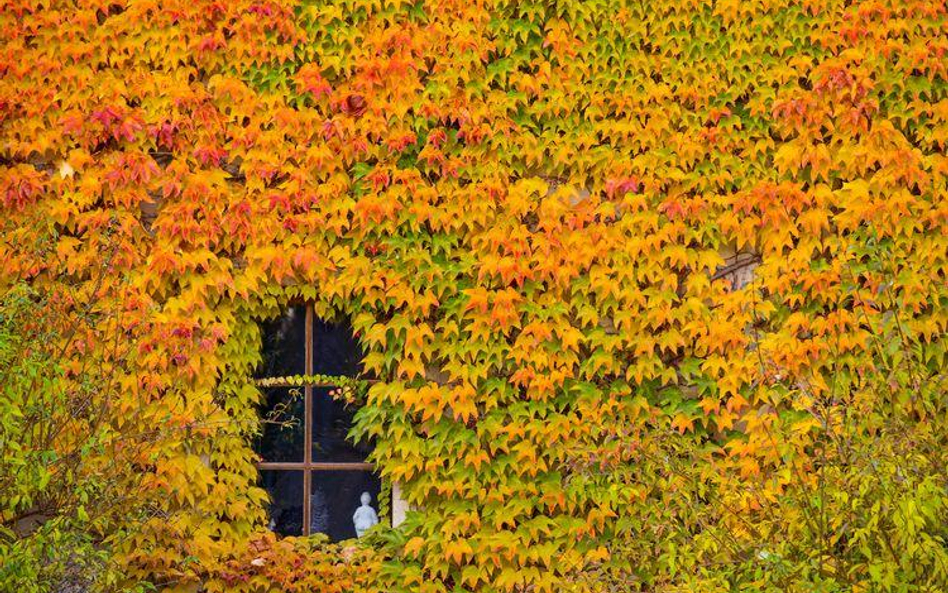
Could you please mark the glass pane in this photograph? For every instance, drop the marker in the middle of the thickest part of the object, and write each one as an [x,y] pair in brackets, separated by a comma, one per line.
[335,350]
[281,420]
[335,500]
[332,420]
[286,500]
[284,342]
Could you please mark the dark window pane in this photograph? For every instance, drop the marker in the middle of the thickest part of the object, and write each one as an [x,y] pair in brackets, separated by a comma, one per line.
[335,499]
[284,343]
[335,349]
[286,500]
[281,419]
[332,420]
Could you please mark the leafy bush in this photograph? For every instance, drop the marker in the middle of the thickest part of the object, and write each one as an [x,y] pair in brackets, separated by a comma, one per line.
[61,491]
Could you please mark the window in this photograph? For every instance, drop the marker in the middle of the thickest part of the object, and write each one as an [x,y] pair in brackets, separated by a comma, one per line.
[315,476]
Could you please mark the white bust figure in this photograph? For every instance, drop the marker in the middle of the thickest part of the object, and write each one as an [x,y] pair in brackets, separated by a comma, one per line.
[364,517]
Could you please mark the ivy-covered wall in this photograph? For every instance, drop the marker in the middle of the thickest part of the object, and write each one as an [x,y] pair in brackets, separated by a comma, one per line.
[530,211]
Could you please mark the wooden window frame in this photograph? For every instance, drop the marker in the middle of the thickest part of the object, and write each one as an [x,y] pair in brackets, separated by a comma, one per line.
[308,466]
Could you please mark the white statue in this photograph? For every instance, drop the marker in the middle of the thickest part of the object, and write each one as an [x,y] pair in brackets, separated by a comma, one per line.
[364,517]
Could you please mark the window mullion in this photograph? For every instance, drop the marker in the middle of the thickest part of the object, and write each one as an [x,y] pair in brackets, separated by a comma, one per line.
[308,423]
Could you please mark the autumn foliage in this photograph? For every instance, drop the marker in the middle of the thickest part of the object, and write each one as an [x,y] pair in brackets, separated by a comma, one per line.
[656,291]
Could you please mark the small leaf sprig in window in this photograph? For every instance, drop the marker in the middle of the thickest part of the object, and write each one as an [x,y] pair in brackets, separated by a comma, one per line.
[347,389]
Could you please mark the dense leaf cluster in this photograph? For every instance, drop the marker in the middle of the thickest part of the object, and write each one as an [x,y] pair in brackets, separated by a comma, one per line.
[655,291]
